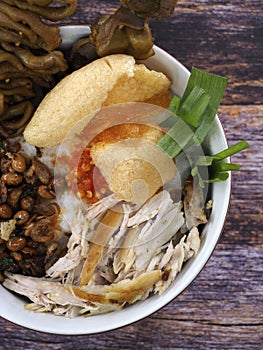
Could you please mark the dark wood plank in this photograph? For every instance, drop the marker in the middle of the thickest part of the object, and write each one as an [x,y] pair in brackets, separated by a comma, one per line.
[219,36]
[222,37]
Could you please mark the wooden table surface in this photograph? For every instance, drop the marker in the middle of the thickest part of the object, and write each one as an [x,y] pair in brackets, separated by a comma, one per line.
[223,308]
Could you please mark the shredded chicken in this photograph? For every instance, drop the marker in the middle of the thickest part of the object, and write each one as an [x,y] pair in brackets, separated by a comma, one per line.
[60,298]
[140,253]
[75,255]
[174,258]
[194,204]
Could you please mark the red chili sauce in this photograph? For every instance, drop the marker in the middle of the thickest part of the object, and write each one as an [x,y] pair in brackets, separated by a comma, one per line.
[87,181]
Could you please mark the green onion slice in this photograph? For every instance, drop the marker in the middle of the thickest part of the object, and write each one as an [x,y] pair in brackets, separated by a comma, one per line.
[193,116]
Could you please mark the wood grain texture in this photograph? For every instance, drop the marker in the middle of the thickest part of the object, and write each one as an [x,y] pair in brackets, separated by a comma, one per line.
[223,308]
[223,37]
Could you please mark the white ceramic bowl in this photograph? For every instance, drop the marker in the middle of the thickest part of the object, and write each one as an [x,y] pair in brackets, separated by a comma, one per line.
[12,306]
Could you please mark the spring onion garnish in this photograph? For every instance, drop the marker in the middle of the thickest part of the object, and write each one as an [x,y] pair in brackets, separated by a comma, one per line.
[194,114]
[218,170]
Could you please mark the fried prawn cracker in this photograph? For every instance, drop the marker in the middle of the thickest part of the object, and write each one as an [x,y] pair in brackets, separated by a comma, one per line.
[108,80]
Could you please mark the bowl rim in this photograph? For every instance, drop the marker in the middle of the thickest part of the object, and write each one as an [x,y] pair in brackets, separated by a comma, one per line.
[54,324]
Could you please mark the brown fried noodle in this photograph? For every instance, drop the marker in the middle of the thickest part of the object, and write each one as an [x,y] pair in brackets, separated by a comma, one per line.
[28,59]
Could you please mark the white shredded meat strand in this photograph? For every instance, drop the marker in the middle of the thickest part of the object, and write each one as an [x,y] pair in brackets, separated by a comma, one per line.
[143,244]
